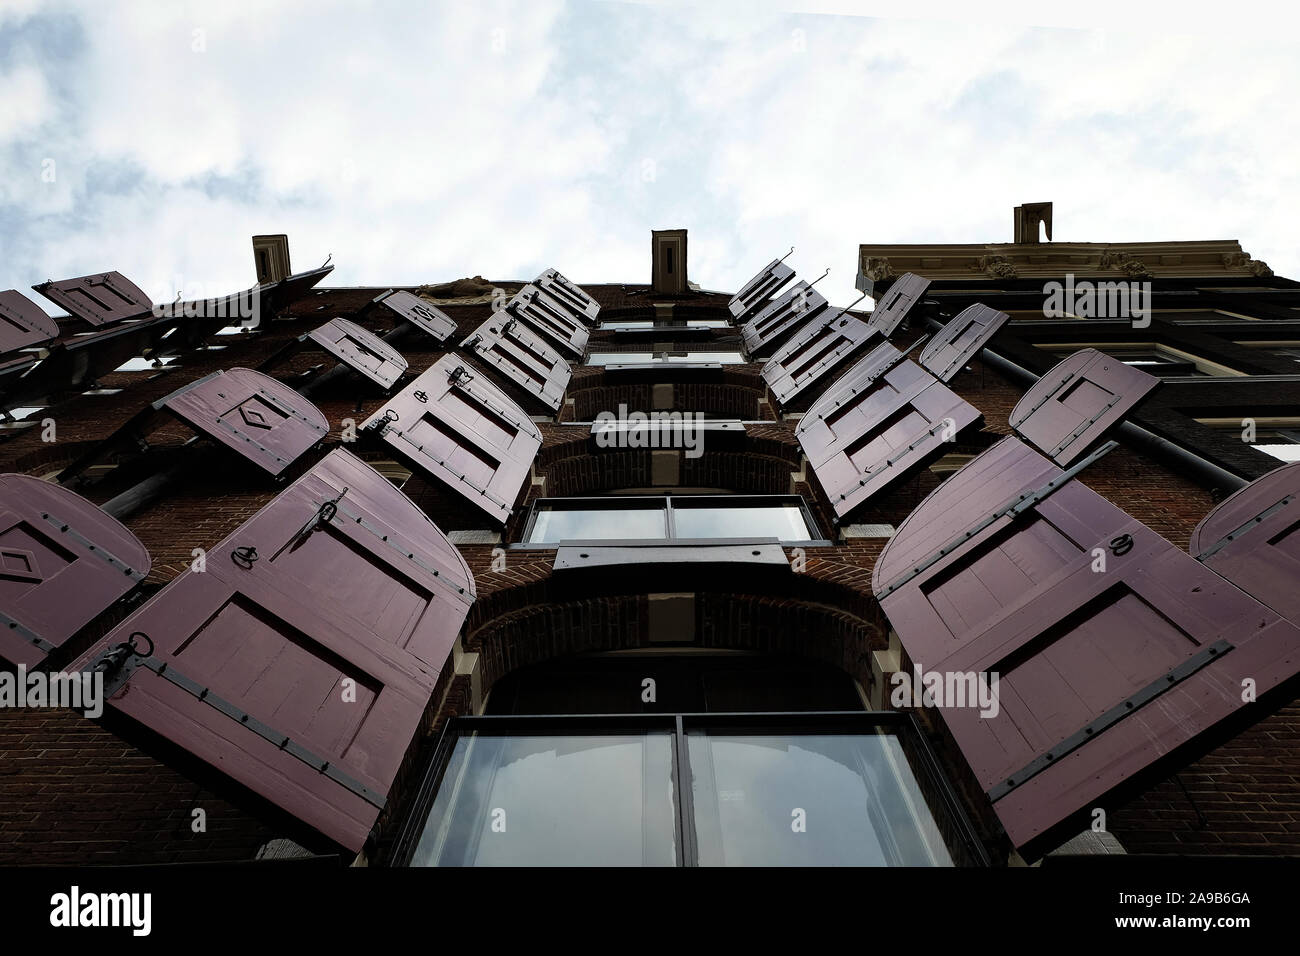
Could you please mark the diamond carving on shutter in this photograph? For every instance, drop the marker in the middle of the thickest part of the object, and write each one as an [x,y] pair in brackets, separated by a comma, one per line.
[881,419]
[812,354]
[1252,538]
[568,294]
[423,315]
[1072,406]
[522,357]
[99,299]
[62,562]
[453,424]
[360,350]
[301,662]
[1101,673]
[893,307]
[23,323]
[550,320]
[801,303]
[753,295]
[264,420]
[957,342]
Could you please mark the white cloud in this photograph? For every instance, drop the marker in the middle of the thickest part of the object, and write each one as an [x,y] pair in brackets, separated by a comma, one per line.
[424,143]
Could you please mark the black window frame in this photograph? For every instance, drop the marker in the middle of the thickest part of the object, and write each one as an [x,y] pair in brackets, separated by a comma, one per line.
[950,814]
[620,502]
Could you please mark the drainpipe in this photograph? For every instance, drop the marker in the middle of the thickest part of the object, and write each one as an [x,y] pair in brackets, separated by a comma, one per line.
[1133,434]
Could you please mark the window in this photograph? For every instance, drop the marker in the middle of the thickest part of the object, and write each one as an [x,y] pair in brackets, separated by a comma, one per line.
[1278,437]
[663,358]
[856,789]
[637,325]
[669,518]
[1153,357]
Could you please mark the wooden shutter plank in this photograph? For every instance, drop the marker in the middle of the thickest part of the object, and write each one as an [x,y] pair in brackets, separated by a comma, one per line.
[812,354]
[553,322]
[509,347]
[361,351]
[23,323]
[98,299]
[754,294]
[568,294]
[778,319]
[957,342]
[897,302]
[423,315]
[1074,404]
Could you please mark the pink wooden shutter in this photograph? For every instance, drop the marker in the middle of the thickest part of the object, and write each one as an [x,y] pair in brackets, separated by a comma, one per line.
[62,562]
[550,320]
[957,342]
[881,419]
[812,354]
[340,578]
[753,295]
[1252,538]
[1101,672]
[568,294]
[23,323]
[363,351]
[904,292]
[264,420]
[99,299]
[423,315]
[454,424]
[1072,406]
[800,304]
[516,353]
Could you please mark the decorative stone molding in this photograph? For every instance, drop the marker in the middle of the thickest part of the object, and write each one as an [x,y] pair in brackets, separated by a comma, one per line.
[999,267]
[876,268]
[1126,263]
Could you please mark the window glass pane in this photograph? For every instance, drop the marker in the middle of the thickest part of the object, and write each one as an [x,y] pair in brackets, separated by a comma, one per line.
[784,521]
[661,358]
[619,358]
[540,800]
[595,523]
[809,800]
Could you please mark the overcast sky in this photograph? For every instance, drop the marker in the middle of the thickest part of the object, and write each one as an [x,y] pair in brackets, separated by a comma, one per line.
[424,142]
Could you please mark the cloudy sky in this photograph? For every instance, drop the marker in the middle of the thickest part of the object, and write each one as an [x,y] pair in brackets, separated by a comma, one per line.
[422,142]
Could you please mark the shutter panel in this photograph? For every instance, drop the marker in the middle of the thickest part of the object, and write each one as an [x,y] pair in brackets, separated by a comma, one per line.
[23,323]
[264,420]
[1252,538]
[957,342]
[753,295]
[881,419]
[62,562]
[273,635]
[1072,406]
[568,294]
[523,358]
[99,299]
[550,320]
[360,350]
[423,315]
[812,354]
[454,424]
[904,292]
[802,303]
[1100,673]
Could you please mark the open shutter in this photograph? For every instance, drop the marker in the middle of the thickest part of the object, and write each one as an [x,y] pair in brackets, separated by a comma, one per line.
[455,425]
[1252,538]
[301,661]
[881,419]
[550,320]
[62,562]
[1101,672]
[23,323]
[264,420]
[814,352]
[904,292]
[522,357]
[957,342]
[1071,407]
[360,350]
[753,295]
[801,303]
[566,293]
[423,315]
[98,299]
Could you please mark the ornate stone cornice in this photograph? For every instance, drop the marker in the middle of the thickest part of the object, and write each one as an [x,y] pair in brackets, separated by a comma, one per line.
[1210,259]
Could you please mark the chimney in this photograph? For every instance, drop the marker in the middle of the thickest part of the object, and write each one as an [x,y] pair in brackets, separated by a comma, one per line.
[668,261]
[1027,218]
[271,258]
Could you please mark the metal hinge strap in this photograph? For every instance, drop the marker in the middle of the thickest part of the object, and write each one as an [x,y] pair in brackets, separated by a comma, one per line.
[31,637]
[1250,525]
[1110,718]
[96,550]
